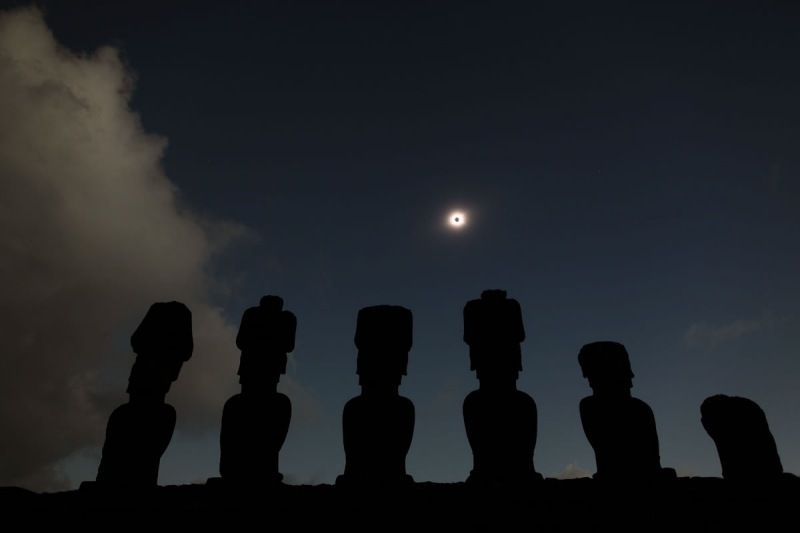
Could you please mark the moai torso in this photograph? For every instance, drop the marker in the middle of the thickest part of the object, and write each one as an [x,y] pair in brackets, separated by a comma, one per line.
[137,435]
[620,428]
[138,432]
[500,420]
[745,445]
[255,422]
[378,425]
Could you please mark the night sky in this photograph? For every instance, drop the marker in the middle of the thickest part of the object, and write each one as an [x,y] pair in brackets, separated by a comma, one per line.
[626,171]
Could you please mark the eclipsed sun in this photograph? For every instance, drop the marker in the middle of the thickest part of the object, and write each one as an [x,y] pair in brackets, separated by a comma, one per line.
[457,219]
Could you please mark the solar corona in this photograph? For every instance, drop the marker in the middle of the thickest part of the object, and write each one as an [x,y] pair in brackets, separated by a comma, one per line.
[457,219]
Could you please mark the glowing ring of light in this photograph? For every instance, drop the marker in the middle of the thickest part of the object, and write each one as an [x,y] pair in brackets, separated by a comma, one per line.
[456,219]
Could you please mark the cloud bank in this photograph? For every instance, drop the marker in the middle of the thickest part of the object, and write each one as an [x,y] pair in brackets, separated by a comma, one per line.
[702,334]
[572,471]
[93,232]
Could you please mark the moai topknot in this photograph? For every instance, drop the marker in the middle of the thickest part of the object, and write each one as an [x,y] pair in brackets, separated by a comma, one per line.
[255,422]
[620,428]
[138,432]
[500,420]
[745,445]
[378,425]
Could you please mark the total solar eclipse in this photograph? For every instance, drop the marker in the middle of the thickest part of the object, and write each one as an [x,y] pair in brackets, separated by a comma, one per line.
[457,219]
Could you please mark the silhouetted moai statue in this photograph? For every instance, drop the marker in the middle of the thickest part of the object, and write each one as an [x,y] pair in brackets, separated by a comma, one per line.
[745,445]
[378,425]
[255,422]
[500,420]
[620,428]
[138,432]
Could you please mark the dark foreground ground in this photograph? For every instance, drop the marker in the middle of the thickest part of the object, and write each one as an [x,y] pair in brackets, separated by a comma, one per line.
[682,504]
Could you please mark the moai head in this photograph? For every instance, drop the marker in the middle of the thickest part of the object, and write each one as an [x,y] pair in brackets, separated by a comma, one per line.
[607,367]
[162,343]
[383,338]
[493,330]
[266,335]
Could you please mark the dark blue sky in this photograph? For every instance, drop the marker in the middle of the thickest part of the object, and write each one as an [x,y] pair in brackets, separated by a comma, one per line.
[629,172]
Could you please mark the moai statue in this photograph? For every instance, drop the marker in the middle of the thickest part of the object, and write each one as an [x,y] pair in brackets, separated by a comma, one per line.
[745,445]
[138,432]
[500,420]
[378,425]
[255,421]
[620,428]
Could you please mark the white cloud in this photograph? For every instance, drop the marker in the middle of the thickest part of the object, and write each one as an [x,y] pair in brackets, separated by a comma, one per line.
[93,232]
[572,471]
[704,334]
